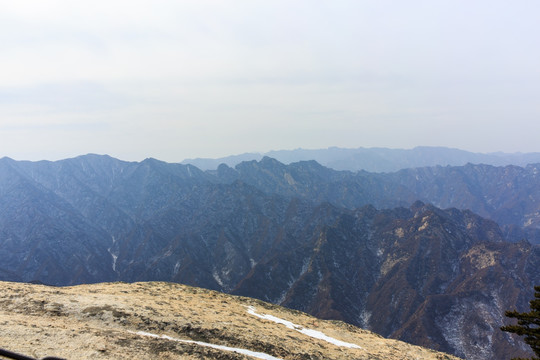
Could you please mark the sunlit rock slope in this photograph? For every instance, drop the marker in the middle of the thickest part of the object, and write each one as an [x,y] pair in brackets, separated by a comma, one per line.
[170,321]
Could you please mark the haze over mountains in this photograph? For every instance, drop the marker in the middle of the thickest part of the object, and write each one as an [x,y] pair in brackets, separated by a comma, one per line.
[431,255]
[376,159]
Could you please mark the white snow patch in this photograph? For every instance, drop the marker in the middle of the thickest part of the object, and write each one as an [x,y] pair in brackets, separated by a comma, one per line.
[365,317]
[309,332]
[176,268]
[217,278]
[305,267]
[168,253]
[282,297]
[470,343]
[292,281]
[113,255]
[254,354]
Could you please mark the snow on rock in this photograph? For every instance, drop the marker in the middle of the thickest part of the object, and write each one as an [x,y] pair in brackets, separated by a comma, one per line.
[257,355]
[309,332]
[114,256]
[217,278]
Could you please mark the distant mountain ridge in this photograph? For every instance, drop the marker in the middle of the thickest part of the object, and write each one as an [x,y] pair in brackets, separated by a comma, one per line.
[509,195]
[301,235]
[375,159]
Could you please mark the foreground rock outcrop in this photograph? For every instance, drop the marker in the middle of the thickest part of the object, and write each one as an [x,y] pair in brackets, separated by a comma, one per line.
[171,321]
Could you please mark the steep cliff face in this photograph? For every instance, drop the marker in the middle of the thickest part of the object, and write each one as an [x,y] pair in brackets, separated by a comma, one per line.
[440,278]
[43,237]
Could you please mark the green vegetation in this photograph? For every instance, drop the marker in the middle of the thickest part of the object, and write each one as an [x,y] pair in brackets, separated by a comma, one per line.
[528,324]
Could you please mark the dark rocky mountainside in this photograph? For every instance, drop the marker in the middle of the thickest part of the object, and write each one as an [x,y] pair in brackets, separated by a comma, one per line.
[438,278]
[509,195]
[299,235]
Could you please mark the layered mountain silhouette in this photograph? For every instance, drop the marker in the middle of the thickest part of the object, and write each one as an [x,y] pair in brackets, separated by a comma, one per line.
[376,159]
[358,247]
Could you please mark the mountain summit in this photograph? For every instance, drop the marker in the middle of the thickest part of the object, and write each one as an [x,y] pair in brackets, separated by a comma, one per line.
[171,321]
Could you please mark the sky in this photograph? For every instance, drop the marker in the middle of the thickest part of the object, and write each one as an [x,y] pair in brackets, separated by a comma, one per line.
[209,78]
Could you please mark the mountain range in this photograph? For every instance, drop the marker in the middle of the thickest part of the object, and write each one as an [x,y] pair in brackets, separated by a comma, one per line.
[432,256]
[376,159]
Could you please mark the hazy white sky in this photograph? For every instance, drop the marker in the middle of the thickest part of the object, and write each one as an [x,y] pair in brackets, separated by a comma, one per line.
[208,78]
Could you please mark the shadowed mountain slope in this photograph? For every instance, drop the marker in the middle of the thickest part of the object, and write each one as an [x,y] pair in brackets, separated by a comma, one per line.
[509,195]
[297,235]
